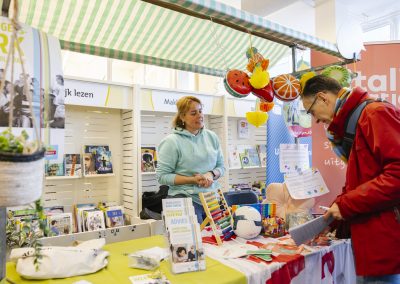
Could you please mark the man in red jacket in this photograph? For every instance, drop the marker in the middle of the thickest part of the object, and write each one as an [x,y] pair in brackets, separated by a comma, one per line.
[370,200]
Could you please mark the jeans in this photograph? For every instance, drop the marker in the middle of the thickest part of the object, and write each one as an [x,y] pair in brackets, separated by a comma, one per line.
[198,208]
[385,279]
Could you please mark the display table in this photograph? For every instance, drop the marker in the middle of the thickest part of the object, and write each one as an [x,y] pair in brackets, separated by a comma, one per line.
[118,271]
[321,264]
[330,264]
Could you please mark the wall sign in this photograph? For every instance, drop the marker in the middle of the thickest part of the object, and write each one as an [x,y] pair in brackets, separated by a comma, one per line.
[166,101]
[86,93]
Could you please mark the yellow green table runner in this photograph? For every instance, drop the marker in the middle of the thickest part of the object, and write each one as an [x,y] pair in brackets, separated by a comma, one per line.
[117,270]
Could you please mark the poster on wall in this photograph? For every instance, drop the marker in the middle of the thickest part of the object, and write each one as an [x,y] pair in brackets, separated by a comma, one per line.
[277,134]
[378,73]
[41,56]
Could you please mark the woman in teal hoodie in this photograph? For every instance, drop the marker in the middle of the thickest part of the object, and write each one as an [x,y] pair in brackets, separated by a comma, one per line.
[190,159]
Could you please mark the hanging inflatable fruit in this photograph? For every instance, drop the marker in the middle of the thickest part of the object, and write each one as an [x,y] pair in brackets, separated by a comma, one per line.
[266,106]
[305,77]
[260,78]
[266,93]
[256,118]
[237,83]
[286,87]
[339,73]
[255,59]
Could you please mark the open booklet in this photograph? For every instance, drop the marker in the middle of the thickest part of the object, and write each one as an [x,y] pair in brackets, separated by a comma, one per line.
[307,231]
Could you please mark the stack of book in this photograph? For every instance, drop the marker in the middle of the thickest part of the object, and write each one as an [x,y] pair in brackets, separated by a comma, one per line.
[183,234]
[90,217]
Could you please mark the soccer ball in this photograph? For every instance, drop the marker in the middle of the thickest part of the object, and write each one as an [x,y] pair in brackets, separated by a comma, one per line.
[246,222]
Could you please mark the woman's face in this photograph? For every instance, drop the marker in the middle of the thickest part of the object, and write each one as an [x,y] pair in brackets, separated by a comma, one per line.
[194,118]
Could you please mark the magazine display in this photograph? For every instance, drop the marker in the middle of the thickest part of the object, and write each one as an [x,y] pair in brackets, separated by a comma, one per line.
[149,159]
[183,234]
[72,165]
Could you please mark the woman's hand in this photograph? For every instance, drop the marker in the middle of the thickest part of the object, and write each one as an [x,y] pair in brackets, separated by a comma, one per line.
[204,180]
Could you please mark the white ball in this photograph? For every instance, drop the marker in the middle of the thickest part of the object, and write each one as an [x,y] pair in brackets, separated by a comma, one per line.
[246,222]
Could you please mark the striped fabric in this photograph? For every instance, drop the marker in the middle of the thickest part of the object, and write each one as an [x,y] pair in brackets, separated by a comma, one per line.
[137,31]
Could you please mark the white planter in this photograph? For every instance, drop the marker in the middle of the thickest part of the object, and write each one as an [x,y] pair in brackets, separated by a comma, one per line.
[21,178]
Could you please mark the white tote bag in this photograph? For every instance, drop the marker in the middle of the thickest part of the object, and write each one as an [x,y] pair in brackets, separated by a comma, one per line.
[61,262]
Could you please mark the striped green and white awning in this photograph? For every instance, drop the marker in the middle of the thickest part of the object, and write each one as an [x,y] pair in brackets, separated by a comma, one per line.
[137,31]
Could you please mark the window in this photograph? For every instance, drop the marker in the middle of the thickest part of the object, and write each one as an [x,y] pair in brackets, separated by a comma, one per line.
[378,34]
[84,65]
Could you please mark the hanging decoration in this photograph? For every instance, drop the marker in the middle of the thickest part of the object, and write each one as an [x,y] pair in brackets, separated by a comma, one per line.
[237,84]
[286,87]
[257,118]
[240,84]
[339,73]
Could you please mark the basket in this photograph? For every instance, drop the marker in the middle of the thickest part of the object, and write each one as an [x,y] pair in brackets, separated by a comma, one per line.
[21,178]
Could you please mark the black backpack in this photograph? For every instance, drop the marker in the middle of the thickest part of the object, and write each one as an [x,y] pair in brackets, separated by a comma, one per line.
[351,126]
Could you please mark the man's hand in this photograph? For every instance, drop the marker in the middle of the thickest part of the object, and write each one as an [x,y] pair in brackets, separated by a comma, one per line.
[334,212]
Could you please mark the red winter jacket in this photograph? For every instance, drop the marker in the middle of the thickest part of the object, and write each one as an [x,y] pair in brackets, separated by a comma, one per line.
[371,195]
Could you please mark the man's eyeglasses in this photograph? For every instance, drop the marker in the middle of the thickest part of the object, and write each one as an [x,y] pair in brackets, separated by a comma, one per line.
[309,109]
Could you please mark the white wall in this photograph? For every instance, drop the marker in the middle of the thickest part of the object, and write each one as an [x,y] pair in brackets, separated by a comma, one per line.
[298,16]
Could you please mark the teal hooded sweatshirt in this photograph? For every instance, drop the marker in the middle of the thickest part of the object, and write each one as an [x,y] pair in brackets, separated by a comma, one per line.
[186,154]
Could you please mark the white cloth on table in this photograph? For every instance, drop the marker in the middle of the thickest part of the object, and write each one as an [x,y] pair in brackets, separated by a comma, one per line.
[61,262]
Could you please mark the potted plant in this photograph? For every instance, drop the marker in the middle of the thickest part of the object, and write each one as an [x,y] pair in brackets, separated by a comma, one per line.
[21,169]
[21,182]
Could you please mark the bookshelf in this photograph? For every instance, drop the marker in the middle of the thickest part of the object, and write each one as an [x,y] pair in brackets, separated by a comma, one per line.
[131,124]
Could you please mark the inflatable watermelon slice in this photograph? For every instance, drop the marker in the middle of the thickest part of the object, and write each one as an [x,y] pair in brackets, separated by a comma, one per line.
[237,83]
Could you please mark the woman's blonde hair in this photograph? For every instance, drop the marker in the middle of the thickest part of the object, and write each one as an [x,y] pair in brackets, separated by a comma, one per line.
[183,106]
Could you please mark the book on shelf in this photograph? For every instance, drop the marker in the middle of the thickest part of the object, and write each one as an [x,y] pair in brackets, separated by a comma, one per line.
[79,218]
[53,210]
[254,159]
[233,157]
[149,159]
[114,216]
[60,224]
[72,165]
[103,162]
[244,159]
[262,154]
[89,164]
[54,169]
[93,220]
[97,159]
[24,218]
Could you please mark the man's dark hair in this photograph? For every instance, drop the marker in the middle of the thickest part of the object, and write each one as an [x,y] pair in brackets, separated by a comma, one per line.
[320,83]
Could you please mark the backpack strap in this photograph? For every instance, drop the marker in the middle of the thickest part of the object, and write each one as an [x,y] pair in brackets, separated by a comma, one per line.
[351,126]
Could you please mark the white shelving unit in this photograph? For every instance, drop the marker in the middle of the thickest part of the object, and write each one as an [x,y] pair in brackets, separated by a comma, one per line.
[125,127]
